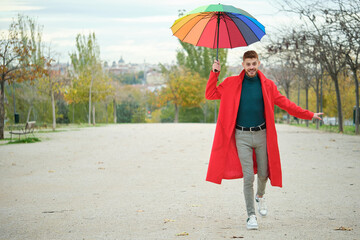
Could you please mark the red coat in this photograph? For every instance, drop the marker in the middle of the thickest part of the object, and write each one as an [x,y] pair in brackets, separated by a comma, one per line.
[224,160]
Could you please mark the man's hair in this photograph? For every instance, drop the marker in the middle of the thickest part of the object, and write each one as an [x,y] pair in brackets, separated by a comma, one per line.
[250,54]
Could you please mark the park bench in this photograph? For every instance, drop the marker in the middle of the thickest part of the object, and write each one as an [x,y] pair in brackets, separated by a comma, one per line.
[20,129]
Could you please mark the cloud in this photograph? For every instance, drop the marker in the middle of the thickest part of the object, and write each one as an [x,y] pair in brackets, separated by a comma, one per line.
[138,52]
[148,19]
[6,20]
[19,8]
[65,33]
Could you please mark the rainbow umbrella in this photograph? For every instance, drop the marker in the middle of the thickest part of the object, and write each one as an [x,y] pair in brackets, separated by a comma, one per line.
[201,26]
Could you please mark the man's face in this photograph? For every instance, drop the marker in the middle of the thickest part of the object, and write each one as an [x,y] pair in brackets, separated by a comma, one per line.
[251,66]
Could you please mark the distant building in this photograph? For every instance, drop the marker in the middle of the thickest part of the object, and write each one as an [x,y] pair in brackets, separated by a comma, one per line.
[121,67]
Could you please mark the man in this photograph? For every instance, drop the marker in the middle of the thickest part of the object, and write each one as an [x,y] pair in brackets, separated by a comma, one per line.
[245,141]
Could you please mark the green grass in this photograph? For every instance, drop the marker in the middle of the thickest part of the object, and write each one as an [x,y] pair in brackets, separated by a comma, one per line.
[25,140]
[349,130]
[5,139]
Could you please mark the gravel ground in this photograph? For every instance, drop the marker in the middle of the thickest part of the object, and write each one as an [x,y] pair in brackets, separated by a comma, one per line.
[147,181]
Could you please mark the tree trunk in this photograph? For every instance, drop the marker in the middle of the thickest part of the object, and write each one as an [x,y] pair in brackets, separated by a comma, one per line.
[73,105]
[53,110]
[2,109]
[93,114]
[357,103]
[307,103]
[321,97]
[317,101]
[14,100]
[298,97]
[338,99]
[176,120]
[92,78]
[29,112]
[287,92]
[115,116]
[205,111]
[106,115]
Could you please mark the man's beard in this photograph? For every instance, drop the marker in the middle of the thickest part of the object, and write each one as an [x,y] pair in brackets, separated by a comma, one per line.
[253,73]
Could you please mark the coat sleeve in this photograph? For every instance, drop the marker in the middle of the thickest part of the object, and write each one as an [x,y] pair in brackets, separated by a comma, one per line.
[290,107]
[212,91]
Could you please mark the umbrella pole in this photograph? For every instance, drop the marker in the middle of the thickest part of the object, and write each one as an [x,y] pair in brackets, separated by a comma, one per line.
[218,34]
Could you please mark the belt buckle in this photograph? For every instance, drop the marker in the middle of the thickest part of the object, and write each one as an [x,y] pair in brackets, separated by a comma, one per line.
[251,129]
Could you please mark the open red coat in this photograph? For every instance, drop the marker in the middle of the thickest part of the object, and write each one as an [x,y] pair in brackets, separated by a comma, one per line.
[224,160]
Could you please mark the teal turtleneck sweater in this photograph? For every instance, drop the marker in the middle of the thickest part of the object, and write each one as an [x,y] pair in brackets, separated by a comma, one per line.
[251,107]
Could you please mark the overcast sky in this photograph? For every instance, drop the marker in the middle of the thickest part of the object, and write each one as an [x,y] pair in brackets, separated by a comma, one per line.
[137,30]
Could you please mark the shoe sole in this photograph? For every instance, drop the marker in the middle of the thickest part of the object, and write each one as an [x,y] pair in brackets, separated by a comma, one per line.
[252,228]
[262,215]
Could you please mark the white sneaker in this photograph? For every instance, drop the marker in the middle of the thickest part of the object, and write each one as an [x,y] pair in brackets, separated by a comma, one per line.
[251,223]
[262,208]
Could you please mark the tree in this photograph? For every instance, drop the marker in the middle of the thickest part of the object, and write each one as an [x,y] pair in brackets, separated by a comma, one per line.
[103,90]
[78,90]
[130,105]
[86,63]
[184,88]
[51,85]
[327,45]
[200,60]
[284,76]
[19,58]
[347,20]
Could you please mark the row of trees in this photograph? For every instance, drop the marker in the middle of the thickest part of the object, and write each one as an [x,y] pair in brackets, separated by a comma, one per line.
[318,57]
[30,77]
[324,47]
[37,84]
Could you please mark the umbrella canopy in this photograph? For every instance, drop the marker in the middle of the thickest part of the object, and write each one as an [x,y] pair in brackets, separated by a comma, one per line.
[201,26]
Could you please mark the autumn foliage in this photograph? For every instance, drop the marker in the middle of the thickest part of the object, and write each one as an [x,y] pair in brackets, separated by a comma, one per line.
[184,88]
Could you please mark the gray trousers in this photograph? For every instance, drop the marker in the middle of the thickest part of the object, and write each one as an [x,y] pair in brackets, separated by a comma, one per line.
[246,141]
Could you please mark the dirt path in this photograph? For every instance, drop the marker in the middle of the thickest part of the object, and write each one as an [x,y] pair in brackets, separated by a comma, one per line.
[146,181]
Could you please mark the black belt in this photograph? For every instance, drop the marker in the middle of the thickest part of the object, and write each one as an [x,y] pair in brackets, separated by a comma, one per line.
[251,129]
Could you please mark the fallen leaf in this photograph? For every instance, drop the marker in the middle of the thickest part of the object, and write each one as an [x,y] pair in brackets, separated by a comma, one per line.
[166,220]
[344,228]
[51,171]
[101,168]
[140,210]
[100,162]
[48,212]
[182,234]
[237,237]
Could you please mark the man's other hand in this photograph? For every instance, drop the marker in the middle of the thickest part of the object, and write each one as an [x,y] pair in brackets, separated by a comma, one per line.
[317,116]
